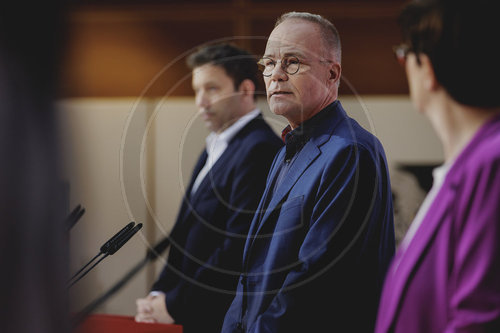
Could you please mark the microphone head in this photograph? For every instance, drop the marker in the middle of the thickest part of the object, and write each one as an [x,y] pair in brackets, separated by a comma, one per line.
[74,216]
[106,246]
[115,246]
[74,211]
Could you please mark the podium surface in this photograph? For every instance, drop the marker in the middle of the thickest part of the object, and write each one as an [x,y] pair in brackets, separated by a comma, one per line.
[104,323]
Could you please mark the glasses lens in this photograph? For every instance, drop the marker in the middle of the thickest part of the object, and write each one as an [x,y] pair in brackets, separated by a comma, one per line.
[291,65]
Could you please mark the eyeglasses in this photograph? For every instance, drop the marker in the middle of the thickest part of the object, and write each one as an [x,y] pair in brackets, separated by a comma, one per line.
[290,65]
[401,52]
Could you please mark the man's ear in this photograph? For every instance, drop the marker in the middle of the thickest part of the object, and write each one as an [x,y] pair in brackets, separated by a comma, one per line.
[247,88]
[429,76]
[335,71]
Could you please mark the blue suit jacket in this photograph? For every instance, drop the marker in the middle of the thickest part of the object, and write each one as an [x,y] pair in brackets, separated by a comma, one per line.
[205,258]
[316,257]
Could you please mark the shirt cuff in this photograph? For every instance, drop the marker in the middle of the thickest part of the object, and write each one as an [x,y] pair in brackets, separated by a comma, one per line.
[156,293]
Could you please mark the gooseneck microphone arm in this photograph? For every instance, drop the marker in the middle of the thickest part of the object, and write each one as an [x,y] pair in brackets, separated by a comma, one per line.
[108,248]
[104,248]
[151,255]
[75,280]
[81,269]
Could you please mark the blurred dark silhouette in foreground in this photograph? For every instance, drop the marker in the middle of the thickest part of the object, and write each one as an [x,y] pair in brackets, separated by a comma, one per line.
[33,251]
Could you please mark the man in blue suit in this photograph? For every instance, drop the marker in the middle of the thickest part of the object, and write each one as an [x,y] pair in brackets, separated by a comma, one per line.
[322,239]
[198,282]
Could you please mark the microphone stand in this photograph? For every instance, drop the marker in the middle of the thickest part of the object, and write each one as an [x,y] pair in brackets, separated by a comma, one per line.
[109,248]
[151,255]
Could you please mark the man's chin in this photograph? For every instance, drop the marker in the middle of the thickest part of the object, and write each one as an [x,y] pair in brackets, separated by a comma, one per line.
[209,126]
[283,109]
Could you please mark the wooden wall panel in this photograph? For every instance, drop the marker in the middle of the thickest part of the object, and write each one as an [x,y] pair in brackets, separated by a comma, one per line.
[368,61]
[124,58]
[121,50]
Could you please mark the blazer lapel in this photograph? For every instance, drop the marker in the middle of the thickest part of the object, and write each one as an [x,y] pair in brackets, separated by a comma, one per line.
[222,162]
[306,156]
[199,165]
[187,195]
[187,200]
[261,209]
[439,209]
[405,262]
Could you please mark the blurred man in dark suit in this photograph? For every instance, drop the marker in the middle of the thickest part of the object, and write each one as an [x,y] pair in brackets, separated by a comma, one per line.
[199,280]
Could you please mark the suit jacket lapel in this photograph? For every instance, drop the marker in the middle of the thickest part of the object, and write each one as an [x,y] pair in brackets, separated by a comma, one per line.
[217,169]
[221,163]
[187,200]
[199,165]
[261,210]
[306,156]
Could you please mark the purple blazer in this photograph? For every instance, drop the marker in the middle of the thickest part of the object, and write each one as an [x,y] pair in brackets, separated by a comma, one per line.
[448,278]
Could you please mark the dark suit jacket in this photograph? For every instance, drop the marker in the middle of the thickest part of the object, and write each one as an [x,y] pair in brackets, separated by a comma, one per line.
[207,240]
[315,259]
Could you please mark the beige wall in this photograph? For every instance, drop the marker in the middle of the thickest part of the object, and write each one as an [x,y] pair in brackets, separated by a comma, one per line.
[129,160]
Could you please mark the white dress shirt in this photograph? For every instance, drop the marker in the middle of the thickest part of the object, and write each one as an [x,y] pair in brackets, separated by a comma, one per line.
[438,175]
[216,144]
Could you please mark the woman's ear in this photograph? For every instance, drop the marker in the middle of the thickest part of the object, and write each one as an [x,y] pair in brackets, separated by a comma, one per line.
[429,76]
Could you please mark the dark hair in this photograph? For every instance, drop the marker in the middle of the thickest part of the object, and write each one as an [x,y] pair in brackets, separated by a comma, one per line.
[329,33]
[459,38]
[238,63]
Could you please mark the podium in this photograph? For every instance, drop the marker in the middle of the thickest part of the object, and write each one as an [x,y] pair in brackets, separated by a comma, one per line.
[103,323]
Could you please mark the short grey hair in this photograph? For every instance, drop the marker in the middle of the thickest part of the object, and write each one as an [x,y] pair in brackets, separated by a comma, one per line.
[329,33]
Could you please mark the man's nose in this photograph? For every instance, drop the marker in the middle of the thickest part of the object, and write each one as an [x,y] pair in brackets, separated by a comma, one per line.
[202,100]
[278,73]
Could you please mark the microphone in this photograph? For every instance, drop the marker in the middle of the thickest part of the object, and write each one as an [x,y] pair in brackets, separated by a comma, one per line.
[106,246]
[109,248]
[121,240]
[74,216]
[151,255]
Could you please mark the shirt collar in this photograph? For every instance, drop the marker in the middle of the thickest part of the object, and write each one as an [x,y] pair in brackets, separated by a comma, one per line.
[297,138]
[214,139]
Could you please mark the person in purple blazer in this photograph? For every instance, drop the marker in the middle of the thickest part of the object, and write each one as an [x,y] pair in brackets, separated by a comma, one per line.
[446,274]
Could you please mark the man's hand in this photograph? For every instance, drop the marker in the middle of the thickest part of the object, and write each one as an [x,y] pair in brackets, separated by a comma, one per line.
[153,309]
